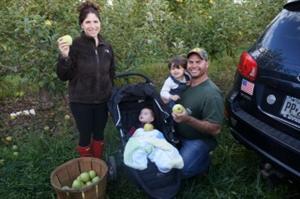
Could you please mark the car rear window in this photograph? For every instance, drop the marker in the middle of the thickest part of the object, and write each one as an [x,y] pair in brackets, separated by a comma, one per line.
[283,37]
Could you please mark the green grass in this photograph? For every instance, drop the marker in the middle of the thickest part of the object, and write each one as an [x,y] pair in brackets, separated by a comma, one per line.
[234,172]
[14,86]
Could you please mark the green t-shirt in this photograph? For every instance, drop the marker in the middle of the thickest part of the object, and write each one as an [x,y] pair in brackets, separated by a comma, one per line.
[205,102]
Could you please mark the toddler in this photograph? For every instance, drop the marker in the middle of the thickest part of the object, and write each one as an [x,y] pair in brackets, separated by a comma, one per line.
[177,81]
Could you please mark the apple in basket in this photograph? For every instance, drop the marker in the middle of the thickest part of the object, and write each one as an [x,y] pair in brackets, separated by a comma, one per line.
[88,183]
[84,177]
[77,184]
[92,174]
[178,108]
[96,179]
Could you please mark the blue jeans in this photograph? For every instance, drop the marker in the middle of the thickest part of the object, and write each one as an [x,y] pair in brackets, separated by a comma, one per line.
[195,155]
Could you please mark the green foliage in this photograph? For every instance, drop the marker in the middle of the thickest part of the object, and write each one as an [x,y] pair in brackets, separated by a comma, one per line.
[140,31]
[11,86]
[136,29]
[28,39]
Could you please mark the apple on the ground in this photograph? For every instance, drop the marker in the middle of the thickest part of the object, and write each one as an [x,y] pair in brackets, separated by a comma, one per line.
[8,138]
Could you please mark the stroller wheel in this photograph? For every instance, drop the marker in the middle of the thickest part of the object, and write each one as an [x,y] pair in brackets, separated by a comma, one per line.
[112,168]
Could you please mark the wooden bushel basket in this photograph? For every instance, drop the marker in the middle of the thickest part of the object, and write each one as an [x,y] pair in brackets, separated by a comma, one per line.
[64,175]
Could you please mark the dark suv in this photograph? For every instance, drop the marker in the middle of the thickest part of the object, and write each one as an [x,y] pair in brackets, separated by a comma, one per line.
[263,106]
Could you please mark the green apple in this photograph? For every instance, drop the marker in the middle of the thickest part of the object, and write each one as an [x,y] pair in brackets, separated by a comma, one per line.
[8,138]
[14,147]
[96,179]
[67,39]
[16,153]
[88,183]
[46,128]
[48,23]
[148,127]
[92,174]
[178,108]
[84,176]
[13,116]
[67,117]
[77,184]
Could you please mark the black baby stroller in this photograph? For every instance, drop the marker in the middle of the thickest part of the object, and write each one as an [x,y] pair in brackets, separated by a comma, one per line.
[125,105]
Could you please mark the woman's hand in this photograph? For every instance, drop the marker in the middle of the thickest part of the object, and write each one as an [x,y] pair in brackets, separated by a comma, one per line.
[64,47]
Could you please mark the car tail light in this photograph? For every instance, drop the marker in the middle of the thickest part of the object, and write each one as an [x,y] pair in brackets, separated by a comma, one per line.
[247,66]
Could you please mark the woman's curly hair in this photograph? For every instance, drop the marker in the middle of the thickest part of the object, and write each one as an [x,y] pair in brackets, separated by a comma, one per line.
[87,7]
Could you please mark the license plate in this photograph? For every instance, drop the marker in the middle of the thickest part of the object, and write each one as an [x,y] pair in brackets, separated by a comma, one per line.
[291,109]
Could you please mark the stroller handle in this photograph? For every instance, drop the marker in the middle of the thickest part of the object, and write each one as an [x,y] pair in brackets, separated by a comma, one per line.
[127,74]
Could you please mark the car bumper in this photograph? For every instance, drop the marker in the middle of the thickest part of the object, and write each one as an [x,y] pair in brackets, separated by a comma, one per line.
[280,149]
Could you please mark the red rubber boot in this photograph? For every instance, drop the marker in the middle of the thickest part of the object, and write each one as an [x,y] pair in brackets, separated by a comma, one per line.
[84,151]
[97,148]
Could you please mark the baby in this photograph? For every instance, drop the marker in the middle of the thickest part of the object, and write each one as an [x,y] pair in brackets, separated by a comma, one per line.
[149,143]
[146,116]
[177,81]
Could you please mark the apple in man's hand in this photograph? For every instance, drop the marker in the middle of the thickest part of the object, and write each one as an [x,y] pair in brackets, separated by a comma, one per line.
[178,108]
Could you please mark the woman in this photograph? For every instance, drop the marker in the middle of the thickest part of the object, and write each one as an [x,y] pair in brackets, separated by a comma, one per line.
[88,65]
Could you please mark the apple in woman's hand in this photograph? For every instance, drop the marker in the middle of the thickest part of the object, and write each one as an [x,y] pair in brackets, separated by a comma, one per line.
[67,39]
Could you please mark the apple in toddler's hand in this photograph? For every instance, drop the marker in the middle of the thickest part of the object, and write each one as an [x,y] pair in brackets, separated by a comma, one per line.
[67,39]
[148,127]
[178,108]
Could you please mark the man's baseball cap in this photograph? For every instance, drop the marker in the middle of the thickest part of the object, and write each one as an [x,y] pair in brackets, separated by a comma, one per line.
[200,52]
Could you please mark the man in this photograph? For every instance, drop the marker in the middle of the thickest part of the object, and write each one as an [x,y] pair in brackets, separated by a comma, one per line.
[198,125]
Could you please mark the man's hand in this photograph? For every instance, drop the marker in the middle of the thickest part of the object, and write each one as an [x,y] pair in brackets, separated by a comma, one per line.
[202,126]
[181,117]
